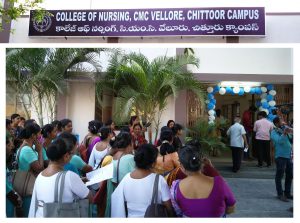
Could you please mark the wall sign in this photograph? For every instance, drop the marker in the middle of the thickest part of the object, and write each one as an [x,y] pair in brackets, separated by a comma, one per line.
[248,21]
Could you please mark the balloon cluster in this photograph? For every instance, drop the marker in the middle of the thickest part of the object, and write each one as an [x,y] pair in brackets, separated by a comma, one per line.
[266,102]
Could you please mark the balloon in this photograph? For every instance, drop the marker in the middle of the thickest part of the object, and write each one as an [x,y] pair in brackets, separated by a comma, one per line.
[264,89]
[272,92]
[210,96]
[265,105]
[211,112]
[270,97]
[258,103]
[236,90]
[222,91]
[211,122]
[229,90]
[263,100]
[241,92]
[272,103]
[213,101]
[210,89]
[216,88]
[247,89]
[211,118]
[252,90]
[257,90]
[263,95]
[214,107]
[210,106]
[270,87]
[207,101]
[260,108]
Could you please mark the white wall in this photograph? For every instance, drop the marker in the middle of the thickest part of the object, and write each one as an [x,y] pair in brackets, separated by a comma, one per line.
[268,61]
[81,106]
[279,29]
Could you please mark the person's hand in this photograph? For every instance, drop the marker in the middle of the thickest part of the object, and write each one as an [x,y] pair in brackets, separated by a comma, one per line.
[84,179]
[38,145]
[15,198]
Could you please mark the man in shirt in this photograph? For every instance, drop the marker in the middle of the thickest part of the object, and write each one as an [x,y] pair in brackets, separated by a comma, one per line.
[262,129]
[238,139]
[281,137]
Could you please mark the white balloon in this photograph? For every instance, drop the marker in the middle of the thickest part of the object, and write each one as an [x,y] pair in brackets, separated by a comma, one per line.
[211,118]
[211,112]
[207,101]
[247,89]
[260,108]
[210,89]
[263,95]
[214,107]
[211,122]
[236,90]
[263,100]
[264,89]
[272,92]
[222,91]
[272,103]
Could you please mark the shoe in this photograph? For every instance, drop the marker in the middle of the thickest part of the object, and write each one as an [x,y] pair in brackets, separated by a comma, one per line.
[289,196]
[282,198]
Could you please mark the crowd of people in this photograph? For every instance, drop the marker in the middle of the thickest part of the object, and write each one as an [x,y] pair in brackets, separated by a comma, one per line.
[265,133]
[188,184]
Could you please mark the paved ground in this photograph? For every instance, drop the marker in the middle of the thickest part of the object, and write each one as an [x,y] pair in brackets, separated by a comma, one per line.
[254,189]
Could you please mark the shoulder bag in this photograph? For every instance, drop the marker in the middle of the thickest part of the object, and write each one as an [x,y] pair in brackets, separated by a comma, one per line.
[23,181]
[155,210]
[79,208]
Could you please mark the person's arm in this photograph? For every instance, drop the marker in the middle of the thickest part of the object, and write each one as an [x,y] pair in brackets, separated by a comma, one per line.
[228,132]
[92,158]
[87,168]
[245,140]
[230,209]
[78,187]
[35,160]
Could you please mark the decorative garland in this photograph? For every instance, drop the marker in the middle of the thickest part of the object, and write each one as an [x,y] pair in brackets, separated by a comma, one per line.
[266,102]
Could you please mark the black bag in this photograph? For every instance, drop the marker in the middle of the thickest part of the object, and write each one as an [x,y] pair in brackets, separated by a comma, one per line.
[155,210]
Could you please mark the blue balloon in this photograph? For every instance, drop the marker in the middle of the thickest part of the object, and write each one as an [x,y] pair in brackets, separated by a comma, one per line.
[258,90]
[252,90]
[210,106]
[258,103]
[228,90]
[269,97]
[213,101]
[242,91]
[210,96]
[265,105]
[270,87]
[216,89]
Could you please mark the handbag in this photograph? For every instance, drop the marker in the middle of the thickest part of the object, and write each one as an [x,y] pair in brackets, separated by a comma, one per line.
[155,210]
[79,208]
[23,181]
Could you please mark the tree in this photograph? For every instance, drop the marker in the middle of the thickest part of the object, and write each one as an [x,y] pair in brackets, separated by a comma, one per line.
[205,133]
[41,73]
[13,9]
[143,86]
